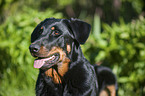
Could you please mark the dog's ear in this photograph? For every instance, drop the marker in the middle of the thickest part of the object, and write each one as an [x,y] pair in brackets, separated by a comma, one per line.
[80,30]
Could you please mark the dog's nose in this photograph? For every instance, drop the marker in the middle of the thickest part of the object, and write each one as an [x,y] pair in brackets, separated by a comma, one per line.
[34,48]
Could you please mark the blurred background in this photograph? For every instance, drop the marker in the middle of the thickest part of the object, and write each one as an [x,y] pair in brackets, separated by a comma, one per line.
[117,40]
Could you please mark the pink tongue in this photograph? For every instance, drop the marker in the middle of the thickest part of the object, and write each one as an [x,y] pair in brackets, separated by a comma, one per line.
[39,63]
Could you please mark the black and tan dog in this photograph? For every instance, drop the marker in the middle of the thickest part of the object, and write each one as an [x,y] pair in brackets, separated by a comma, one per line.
[64,71]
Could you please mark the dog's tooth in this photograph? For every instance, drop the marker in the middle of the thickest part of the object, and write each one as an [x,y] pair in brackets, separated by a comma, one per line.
[53,56]
[50,58]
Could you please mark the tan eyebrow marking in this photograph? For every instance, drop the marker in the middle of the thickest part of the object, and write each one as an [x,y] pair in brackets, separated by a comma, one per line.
[41,27]
[52,28]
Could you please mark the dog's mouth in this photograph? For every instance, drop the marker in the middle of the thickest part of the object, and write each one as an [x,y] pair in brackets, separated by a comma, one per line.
[47,62]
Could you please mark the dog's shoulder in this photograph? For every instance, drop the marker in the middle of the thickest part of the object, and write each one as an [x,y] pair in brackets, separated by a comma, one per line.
[79,77]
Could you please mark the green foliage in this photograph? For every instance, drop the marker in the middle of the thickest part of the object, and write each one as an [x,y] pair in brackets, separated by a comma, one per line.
[122,46]
[64,2]
[136,4]
[17,75]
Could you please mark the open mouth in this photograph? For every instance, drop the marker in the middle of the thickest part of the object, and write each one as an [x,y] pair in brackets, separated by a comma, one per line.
[46,62]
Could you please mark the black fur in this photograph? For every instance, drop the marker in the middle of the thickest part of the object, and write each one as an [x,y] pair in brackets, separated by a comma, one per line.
[81,78]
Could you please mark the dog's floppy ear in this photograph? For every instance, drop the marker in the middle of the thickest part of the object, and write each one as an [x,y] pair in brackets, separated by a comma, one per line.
[80,30]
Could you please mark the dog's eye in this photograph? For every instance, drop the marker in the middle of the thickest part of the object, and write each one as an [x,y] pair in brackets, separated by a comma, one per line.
[55,33]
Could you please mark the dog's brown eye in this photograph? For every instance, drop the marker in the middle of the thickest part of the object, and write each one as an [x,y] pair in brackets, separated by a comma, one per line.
[55,33]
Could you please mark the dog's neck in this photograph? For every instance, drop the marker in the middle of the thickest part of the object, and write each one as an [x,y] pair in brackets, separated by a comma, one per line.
[57,73]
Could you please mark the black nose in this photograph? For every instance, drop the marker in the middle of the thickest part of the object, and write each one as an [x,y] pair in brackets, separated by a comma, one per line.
[34,48]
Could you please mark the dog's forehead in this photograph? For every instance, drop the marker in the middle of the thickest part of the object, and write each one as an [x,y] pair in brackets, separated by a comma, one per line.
[47,25]
[50,22]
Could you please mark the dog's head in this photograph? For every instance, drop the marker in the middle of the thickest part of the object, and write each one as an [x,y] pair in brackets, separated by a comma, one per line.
[52,38]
